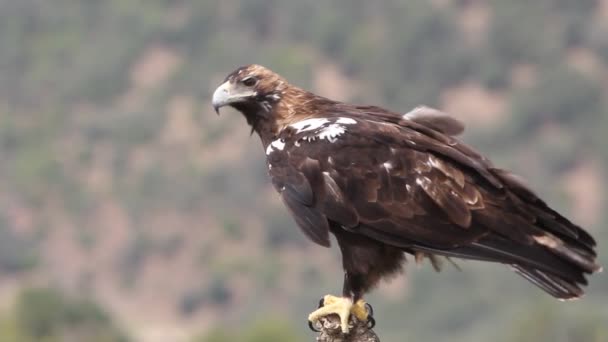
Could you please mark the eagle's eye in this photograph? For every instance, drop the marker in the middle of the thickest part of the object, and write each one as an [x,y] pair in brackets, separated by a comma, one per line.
[249,81]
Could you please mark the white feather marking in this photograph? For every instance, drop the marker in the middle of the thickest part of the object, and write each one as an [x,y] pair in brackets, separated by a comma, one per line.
[388,165]
[308,124]
[423,181]
[432,161]
[548,240]
[278,144]
[331,132]
[346,121]
[267,107]
[323,128]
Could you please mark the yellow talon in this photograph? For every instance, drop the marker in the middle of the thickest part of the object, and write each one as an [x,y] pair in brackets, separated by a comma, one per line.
[360,311]
[343,307]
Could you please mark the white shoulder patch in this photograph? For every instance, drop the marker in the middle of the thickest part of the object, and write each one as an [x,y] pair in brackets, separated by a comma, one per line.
[278,144]
[322,128]
[331,132]
[346,121]
[309,124]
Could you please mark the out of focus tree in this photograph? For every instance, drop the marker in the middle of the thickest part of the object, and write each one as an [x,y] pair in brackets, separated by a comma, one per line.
[538,323]
[268,330]
[49,316]
[94,149]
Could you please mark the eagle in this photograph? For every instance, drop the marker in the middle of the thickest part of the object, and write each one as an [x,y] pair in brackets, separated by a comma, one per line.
[388,184]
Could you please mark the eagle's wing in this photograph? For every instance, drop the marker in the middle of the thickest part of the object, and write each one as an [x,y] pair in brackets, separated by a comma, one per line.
[409,185]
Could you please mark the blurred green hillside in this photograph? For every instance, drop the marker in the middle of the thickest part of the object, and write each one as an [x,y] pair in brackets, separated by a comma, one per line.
[118,183]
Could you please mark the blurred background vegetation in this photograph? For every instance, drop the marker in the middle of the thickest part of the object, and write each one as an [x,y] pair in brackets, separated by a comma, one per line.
[130,212]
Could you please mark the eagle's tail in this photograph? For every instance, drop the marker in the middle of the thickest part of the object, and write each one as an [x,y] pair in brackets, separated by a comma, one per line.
[556,286]
[559,269]
[557,265]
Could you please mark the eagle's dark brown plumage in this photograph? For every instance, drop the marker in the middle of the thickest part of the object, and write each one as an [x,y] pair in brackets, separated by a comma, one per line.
[386,183]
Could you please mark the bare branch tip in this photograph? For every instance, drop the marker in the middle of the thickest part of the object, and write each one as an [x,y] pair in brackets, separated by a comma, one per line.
[330,331]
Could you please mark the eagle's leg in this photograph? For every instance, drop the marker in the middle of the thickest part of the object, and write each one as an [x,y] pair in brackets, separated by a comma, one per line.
[349,303]
[353,288]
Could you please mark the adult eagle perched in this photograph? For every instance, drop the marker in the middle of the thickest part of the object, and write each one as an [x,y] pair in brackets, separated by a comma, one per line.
[386,184]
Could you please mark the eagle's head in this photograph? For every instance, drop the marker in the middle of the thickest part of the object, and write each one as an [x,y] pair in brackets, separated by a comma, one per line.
[267,100]
[250,88]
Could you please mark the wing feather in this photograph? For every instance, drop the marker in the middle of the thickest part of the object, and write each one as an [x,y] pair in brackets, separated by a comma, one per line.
[312,222]
[336,206]
[411,185]
[447,199]
[435,119]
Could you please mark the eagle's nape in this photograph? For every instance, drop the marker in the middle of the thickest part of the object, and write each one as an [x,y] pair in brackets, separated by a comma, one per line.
[385,184]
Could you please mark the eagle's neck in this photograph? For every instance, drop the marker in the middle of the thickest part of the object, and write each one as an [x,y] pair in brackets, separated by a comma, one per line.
[260,118]
[271,114]
[296,105]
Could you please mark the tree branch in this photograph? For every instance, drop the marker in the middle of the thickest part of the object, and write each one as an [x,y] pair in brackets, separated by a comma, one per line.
[330,331]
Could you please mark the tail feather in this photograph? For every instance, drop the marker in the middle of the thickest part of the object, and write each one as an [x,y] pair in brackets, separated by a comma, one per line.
[555,273]
[557,265]
[531,256]
[583,258]
[553,285]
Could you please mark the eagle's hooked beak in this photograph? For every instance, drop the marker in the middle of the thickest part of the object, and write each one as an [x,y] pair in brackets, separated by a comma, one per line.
[222,96]
[229,93]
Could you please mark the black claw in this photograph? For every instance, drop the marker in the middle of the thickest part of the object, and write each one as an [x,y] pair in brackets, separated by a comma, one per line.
[370,309]
[311,324]
[371,322]
[312,327]
[321,303]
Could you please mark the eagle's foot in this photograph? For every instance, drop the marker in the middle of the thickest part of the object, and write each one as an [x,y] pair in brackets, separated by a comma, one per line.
[343,307]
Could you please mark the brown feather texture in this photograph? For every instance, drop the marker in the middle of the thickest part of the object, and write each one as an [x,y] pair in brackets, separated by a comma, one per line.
[386,184]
